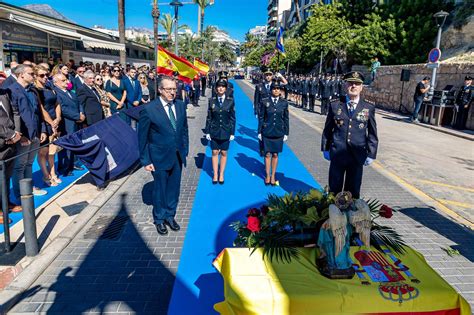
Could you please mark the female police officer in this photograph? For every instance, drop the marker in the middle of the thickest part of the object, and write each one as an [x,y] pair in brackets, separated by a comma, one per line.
[220,128]
[273,129]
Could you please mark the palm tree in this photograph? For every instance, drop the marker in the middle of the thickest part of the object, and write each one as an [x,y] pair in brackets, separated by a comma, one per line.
[168,24]
[202,5]
[226,55]
[121,26]
[188,46]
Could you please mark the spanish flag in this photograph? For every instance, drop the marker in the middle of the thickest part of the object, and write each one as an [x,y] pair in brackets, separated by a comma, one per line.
[168,63]
[202,66]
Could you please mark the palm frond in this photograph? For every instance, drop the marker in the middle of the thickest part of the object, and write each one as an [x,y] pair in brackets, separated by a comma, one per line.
[386,236]
[280,247]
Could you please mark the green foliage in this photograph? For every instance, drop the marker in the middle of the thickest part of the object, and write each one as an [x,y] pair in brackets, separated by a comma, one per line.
[462,14]
[254,58]
[293,54]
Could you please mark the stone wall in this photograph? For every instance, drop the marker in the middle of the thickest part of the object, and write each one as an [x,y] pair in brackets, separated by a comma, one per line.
[386,90]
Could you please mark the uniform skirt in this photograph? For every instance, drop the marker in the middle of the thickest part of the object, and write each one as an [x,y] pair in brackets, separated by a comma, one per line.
[220,144]
[272,145]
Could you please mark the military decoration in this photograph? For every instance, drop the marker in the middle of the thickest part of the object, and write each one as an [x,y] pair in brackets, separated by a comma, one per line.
[213,106]
[339,111]
[363,115]
[267,104]
[361,125]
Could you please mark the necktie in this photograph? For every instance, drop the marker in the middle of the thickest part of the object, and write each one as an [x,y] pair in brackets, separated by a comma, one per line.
[133,83]
[275,100]
[220,101]
[171,114]
[267,86]
[352,106]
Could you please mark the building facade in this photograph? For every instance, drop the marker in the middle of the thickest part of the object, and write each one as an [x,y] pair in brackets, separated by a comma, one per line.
[27,35]
[276,9]
[221,36]
[260,32]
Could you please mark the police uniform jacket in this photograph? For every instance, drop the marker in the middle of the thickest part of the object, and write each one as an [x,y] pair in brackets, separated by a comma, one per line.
[273,119]
[313,88]
[325,89]
[464,96]
[305,86]
[261,92]
[220,121]
[356,134]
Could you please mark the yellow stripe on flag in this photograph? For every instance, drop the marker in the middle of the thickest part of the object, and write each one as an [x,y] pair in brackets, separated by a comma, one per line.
[172,62]
[202,66]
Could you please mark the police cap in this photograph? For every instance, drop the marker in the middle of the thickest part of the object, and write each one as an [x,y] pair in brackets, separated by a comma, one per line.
[221,83]
[468,77]
[354,76]
[276,84]
[268,72]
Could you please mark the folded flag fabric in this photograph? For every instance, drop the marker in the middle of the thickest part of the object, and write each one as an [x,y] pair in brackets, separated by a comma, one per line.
[384,283]
[107,148]
[168,63]
[201,66]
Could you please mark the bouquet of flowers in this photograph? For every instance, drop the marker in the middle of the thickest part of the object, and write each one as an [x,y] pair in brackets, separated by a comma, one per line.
[286,223]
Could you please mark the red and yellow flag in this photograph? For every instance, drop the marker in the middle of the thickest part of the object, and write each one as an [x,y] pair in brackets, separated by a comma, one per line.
[202,66]
[168,63]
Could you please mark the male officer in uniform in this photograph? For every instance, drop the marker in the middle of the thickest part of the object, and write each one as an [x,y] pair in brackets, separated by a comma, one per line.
[463,103]
[325,90]
[262,90]
[313,91]
[349,137]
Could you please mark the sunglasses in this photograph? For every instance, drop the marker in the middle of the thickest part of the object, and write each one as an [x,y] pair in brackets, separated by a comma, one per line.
[116,70]
[98,79]
[43,75]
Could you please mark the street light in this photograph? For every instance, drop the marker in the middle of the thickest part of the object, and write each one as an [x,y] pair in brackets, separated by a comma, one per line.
[440,20]
[176,4]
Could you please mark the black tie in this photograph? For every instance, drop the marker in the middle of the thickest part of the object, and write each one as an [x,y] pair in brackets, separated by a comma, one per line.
[352,106]
[220,101]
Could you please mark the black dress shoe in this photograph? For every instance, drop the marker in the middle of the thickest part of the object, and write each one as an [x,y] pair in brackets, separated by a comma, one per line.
[173,225]
[221,182]
[214,182]
[161,229]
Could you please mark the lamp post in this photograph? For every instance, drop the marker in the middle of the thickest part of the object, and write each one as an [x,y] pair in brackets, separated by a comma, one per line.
[440,20]
[155,13]
[176,4]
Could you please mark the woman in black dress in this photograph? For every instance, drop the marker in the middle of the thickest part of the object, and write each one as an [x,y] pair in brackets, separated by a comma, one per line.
[273,129]
[220,128]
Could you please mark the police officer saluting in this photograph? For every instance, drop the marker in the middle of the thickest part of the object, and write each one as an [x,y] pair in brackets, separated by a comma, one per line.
[349,137]
[220,128]
[262,90]
[273,129]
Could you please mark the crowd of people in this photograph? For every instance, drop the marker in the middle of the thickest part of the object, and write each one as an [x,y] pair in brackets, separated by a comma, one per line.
[41,102]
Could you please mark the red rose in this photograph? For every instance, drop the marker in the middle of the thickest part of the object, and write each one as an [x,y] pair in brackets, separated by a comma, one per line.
[254,212]
[385,211]
[253,224]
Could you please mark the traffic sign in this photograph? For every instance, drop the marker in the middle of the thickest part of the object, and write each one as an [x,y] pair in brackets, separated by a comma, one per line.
[434,55]
[432,65]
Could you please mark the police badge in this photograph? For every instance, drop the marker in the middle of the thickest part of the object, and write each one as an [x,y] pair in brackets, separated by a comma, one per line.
[339,111]
[213,106]
[361,125]
[267,104]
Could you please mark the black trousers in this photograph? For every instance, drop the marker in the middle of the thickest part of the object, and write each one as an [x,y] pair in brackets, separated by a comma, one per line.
[166,188]
[346,176]
[8,174]
[324,106]
[311,103]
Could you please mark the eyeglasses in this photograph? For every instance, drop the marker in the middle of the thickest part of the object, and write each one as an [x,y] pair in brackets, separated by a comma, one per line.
[98,79]
[116,70]
[42,75]
[80,71]
[170,89]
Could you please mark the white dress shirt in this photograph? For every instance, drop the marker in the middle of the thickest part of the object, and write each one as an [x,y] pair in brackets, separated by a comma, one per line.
[165,106]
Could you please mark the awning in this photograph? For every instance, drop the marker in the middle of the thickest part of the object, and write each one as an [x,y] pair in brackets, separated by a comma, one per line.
[63,32]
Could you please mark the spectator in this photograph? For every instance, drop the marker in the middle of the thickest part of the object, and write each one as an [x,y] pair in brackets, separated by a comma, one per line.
[144,86]
[89,99]
[51,113]
[374,67]
[116,92]
[12,77]
[420,93]
[97,67]
[72,115]
[134,92]
[78,81]
[71,65]
[25,103]
[104,99]
[51,62]
[8,138]
[106,74]
[152,84]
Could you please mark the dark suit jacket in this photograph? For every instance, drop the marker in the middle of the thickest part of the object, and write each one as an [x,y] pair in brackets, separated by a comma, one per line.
[9,123]
[220,121]
[91,104]
[344,134]
[133,94]
[69,109]
[273,120]
[76,83]
[158,141]
[325,89]
[26,104]
[261,92]
[8,81]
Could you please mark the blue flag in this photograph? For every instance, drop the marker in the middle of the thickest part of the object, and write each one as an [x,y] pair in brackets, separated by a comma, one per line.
[279,42]
[107,148]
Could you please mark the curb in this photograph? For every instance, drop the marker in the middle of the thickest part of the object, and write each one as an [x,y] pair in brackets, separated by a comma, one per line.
[37,265]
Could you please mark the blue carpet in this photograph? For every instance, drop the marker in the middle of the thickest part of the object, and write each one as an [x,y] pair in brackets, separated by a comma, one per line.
[198,285]
[39,200]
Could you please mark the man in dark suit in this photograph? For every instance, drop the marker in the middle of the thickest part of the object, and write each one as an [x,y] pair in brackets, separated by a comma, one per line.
[12,77]
[89,99]
[349,137]
[134,92]
[78,80]
[164,144]
[9,124]
[24,102]
[72,115]
[152,84]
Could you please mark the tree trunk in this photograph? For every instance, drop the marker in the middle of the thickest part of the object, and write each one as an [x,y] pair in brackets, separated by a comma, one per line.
[297,9]
[121,26]
[199,20]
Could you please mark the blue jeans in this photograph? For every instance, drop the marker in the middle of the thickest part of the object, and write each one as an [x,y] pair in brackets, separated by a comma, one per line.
[417,107]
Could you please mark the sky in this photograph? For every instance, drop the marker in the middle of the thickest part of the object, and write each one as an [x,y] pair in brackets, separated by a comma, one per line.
[234,16]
